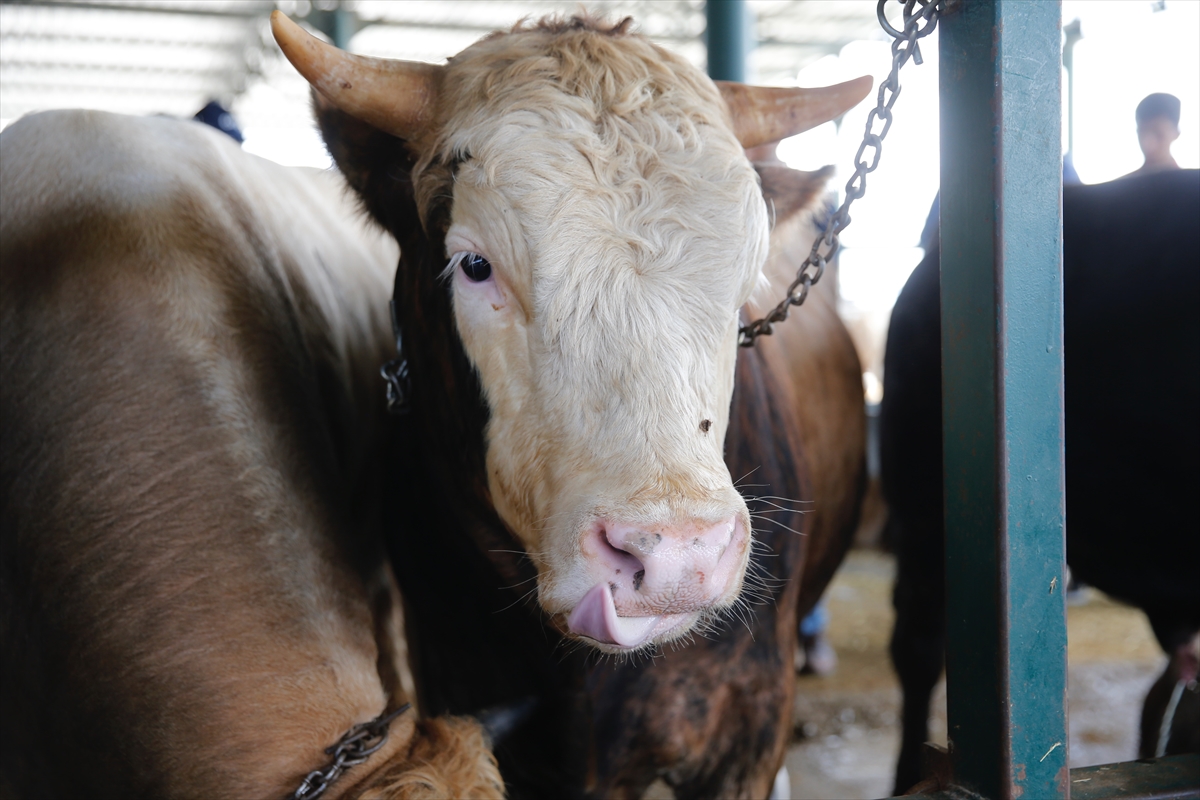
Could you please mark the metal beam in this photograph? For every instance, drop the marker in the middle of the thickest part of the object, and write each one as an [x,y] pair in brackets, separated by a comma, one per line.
[1002,367]
[246,10]
[1170,778]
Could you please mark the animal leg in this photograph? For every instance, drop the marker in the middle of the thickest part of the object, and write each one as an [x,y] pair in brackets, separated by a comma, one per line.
[917,648]
[1171,712]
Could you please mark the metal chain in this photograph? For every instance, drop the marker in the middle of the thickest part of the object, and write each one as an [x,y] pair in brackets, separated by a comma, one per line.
[920,19]
[395,372]
[352,749]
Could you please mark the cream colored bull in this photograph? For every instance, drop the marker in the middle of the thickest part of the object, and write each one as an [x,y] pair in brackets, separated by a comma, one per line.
[195,600]
[605,229]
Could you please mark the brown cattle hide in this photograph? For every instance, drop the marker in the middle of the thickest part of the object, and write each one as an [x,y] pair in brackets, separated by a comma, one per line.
[194,597]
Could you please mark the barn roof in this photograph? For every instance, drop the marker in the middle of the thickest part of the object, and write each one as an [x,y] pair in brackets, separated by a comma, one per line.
[173,56]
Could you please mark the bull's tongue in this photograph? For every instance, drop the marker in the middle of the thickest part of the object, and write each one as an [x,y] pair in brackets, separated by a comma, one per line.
[596,618]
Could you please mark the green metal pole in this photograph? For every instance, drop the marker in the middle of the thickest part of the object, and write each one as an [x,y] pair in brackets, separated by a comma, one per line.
[345,25]
[726,36]
[339,23]
[1002,367]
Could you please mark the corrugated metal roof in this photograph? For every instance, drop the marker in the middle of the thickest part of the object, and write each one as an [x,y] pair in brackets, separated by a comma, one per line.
[172,56]
[131,57]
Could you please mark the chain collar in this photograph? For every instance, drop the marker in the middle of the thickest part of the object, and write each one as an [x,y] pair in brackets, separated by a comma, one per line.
[395,372]
[920,20]
[352,749]
[904,46]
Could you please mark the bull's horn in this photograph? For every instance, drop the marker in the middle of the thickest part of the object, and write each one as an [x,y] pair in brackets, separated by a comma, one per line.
[762,114]
[394,96]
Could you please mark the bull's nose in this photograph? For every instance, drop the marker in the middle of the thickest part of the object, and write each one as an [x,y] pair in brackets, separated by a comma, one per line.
[688,567]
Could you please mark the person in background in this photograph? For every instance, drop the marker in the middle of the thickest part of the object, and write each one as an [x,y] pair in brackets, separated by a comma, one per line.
[816,656]
[217,116]
[1157,128]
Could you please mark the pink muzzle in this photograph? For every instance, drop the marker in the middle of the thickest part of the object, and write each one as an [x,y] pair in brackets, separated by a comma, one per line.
[650,580]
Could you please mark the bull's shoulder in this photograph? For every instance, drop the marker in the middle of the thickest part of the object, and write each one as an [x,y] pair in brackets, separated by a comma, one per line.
[151,261]
[166,180]
[63,169]
[147,210]
[815,357]
[189,339]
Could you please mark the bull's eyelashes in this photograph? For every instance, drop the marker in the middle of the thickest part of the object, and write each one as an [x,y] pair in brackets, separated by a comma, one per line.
[475,267]
[477,284]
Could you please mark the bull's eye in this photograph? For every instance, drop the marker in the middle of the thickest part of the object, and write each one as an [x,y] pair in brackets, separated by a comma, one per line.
[475,267]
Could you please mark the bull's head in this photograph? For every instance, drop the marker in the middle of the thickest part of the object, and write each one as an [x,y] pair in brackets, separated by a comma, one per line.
[603,229]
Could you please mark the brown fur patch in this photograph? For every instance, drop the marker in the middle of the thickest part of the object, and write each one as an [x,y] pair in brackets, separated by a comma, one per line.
[789,191]
[449,758]
[191,578]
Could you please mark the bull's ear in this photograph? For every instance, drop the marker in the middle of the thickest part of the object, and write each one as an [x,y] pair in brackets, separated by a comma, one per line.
[791,190]
[377,165]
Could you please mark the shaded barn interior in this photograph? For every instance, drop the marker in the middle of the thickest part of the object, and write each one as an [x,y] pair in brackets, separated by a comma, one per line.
[156,57]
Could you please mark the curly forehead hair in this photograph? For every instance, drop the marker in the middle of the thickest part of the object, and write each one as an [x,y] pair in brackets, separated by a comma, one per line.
[555,23]
[557,73]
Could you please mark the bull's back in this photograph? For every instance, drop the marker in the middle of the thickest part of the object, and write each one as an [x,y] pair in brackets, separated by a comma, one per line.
[1131,313]
[183,329]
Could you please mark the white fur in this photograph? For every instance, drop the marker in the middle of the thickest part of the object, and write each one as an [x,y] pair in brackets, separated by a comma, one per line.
[624,230]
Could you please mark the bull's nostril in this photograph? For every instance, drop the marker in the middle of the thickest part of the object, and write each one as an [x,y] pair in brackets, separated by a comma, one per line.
[638,577]
[615,555]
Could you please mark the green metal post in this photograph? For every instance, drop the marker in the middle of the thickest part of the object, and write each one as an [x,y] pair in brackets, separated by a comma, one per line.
[339,23]
[1002,367]
[727,37]
[345,25]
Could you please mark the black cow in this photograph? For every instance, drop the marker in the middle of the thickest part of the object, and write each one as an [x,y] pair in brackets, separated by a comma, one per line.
[1132,338]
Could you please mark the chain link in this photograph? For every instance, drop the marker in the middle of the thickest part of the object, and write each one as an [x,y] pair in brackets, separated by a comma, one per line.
[395,372]
[920,19]
[352,749]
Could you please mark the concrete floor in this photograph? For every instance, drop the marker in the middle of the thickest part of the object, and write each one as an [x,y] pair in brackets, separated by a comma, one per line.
[846,724]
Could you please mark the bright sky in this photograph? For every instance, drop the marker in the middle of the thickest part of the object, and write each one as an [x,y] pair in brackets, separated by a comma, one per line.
[879,248]
[1128,50]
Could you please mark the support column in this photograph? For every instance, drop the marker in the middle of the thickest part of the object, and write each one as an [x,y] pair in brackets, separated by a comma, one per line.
[1002,367]
[727,38]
